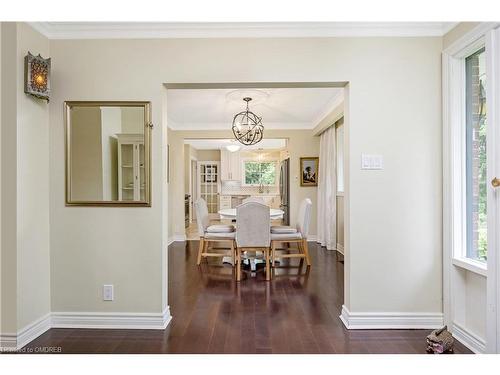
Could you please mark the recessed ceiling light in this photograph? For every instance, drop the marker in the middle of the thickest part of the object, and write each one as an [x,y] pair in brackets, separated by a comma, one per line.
[233,148]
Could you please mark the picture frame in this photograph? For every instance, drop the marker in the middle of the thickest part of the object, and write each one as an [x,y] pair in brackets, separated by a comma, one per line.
[309,170]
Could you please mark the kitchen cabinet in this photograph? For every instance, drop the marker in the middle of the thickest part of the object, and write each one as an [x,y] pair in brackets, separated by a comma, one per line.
[224,201]
[230,165]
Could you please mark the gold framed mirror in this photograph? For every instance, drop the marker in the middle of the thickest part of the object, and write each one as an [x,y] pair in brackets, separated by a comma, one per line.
[108,153]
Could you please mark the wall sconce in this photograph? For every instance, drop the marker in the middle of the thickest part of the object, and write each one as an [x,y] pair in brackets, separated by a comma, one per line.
[37,76]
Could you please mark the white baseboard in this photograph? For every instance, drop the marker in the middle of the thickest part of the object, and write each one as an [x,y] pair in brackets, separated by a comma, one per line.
[393,320]
[111,320]
[470,340]
[340,248]
[12,342]
[311,238]
[8,342]
[176,238]
[33,330]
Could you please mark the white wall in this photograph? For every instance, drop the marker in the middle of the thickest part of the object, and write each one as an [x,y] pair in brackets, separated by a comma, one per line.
[8,131]
[32,189]
[395,110]
[25,253]
[92,246]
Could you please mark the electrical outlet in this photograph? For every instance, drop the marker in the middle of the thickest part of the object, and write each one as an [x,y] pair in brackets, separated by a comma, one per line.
[107,293]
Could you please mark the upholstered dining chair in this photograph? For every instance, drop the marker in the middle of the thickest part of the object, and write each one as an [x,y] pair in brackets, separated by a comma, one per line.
[297,235]
[253,224]
[254,199]
[209,234]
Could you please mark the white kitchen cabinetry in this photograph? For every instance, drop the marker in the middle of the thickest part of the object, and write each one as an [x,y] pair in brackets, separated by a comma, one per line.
[224,201]
[131,174]
[230,165]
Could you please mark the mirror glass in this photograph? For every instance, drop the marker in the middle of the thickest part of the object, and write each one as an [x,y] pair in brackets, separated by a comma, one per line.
[107,153]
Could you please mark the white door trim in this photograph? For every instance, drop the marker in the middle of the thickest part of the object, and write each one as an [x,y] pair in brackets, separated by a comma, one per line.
[493,100]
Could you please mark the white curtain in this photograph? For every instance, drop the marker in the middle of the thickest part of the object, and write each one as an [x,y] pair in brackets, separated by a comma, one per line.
[327,191]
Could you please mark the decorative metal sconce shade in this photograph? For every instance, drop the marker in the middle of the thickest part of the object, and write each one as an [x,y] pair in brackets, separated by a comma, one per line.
[37,76]
[247,126]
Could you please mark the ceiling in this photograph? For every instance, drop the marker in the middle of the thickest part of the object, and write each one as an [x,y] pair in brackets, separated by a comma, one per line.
[119,30]
[280,108]
[217,144]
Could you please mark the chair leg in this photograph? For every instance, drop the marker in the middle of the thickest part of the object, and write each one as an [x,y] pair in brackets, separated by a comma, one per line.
[300,248]
[273,252]
[200,250]
[233,252]
[238,264]
[306,252]
[268,267]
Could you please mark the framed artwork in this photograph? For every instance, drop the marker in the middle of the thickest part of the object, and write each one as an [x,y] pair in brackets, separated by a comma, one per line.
[37,76]
[309,171]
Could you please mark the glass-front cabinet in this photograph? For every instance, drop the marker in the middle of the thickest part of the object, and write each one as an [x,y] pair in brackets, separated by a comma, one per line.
[131,172]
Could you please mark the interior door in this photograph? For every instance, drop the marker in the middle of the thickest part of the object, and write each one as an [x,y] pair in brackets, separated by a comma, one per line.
[209,185]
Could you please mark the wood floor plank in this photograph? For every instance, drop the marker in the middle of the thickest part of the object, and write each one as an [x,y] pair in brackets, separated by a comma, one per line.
[296,312]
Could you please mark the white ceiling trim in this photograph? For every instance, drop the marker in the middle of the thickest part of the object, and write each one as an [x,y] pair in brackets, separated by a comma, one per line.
[218,144]
[153,30]
[227,126]
[336,101]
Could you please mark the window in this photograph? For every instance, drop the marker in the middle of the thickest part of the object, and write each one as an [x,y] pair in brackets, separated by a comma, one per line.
[259,172]
[339,139]
[475,136]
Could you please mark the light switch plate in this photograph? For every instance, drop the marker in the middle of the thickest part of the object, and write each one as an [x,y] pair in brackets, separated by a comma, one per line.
[371,161]
[107,293]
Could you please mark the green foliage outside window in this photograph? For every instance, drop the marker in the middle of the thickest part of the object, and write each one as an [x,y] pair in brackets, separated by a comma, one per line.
[482,246]
[257,173]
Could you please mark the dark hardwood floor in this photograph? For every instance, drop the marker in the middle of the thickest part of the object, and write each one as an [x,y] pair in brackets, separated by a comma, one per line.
[297,312]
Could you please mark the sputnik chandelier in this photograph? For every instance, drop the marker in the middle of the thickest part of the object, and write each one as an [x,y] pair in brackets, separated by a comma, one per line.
[247,126]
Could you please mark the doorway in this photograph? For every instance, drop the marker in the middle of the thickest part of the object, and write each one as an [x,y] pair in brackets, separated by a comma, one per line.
[209,185]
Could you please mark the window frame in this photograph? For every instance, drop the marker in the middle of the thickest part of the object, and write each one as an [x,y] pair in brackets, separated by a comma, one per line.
[454,294]
[468,163]
[455,157]
[264,160]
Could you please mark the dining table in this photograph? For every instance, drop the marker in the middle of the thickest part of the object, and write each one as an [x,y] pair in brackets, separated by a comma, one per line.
[230,213]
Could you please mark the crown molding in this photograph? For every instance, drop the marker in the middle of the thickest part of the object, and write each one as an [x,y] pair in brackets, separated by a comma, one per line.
[333,104]
[155,30]
[227,126]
